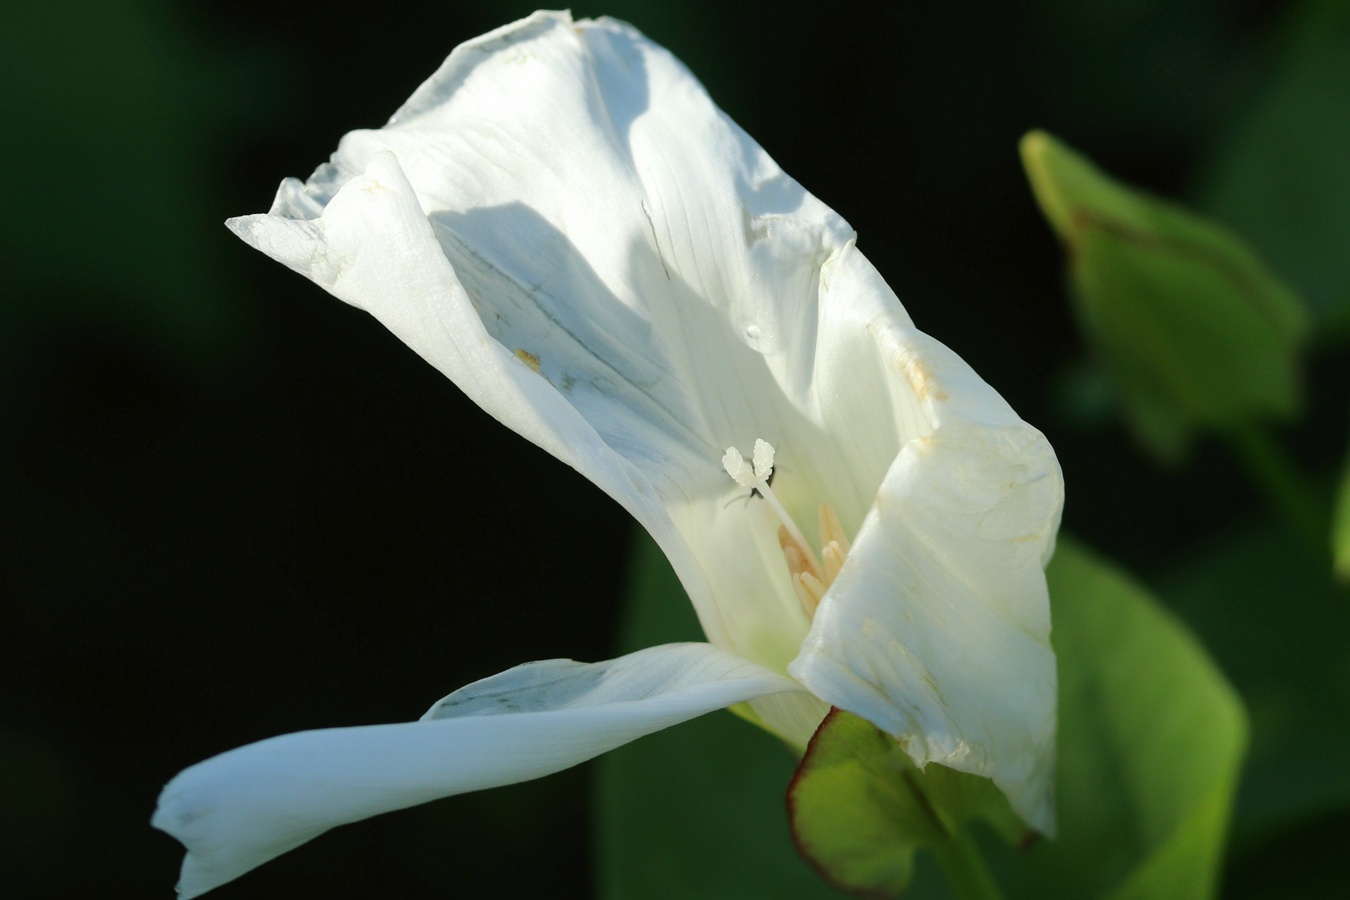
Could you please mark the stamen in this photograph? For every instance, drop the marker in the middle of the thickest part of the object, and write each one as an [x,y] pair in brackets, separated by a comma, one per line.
[831,529]
[834,543]
[810,591]
[832,557]
[798,555]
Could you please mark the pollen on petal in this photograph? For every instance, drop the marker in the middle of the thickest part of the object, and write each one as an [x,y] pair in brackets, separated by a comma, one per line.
[528,359]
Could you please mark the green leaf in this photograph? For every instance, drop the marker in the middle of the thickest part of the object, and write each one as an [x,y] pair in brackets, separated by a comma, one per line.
[1280,627]
[861,809]
[1151,737]
[1282,175]
[109,216]
[697,810]
[1196,331]
[1150,744]
[1340,527]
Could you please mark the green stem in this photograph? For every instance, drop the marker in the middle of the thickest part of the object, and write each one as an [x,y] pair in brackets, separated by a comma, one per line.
[1284,486]
[967,875]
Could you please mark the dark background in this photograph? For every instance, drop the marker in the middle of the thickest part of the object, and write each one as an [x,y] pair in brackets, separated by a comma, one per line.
[232,507]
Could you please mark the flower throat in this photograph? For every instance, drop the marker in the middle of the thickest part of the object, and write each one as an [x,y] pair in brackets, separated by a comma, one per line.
[811,577]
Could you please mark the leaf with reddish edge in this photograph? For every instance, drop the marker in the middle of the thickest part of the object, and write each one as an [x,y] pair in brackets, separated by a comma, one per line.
[860,809]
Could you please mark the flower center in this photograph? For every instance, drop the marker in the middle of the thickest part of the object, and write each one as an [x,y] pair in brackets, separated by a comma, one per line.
[811,577]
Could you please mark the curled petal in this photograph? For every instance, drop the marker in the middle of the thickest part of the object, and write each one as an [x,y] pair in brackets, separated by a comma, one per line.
[937,629]
[564,223]
[237,810]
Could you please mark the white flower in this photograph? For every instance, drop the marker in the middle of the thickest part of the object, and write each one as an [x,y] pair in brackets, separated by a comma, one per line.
[563,223]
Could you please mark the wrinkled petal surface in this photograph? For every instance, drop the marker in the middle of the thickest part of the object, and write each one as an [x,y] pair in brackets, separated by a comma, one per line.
[563,222]
[937,629]
[237,810]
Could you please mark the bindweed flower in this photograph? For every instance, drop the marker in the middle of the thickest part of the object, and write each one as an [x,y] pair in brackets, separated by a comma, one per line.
[562,222]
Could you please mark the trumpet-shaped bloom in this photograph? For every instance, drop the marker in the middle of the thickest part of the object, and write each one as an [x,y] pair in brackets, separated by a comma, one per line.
[563,223]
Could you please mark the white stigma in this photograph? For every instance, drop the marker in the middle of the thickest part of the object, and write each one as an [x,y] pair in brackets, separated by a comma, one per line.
[810,580]
[757,476]
[736,467]
[763,459]
[745,474]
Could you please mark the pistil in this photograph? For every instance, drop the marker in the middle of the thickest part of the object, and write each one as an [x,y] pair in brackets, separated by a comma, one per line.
[810,579]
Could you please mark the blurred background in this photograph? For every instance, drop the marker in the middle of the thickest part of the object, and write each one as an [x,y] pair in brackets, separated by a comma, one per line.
[232,507]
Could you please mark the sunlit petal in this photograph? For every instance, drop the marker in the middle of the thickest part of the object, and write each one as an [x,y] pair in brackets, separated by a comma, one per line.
[564,224]
[938,627]
[238,810]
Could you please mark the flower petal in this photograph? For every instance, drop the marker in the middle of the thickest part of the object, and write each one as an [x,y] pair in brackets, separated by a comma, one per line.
[237,810]
[937,629]
[564,223]
[572,231]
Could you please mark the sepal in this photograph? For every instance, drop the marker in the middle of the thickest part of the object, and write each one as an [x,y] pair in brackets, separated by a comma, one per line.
[860,809]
